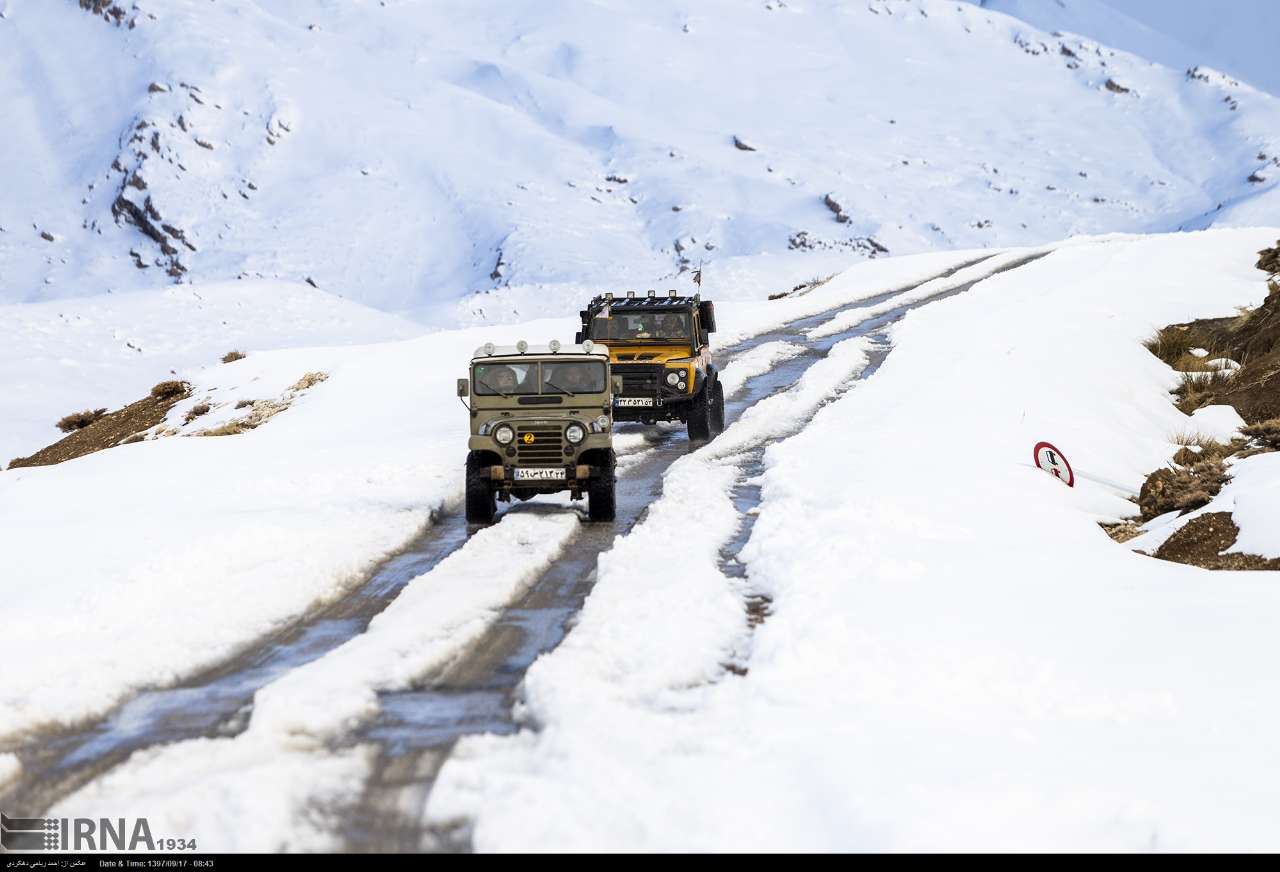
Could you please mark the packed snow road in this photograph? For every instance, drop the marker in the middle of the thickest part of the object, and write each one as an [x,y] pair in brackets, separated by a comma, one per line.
[384,681]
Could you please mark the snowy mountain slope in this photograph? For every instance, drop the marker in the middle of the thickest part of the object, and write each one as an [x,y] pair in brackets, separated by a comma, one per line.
[954,655]
[1236,36]
[407,153]
[65,355]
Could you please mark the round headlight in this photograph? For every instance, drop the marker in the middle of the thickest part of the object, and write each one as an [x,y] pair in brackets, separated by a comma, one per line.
[673,378]
[575,434]
[588,346]
[682,386]
[522,346]
[554,345]
[602,422]
[504,434]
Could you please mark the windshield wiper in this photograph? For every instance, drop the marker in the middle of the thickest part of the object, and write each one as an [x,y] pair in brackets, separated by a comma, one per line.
[491,386]
[561,388]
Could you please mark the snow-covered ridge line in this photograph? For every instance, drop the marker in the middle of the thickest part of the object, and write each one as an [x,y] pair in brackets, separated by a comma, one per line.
[412,154]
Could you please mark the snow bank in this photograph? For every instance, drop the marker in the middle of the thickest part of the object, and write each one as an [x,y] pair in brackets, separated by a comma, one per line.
[147,562]
[956,656]
[63,356]
[758,360]
[202,544]
[262,795]
[279,772]
[435,618]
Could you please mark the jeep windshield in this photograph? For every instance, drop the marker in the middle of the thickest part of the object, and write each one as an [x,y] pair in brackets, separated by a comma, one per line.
[649,327]
[547,377]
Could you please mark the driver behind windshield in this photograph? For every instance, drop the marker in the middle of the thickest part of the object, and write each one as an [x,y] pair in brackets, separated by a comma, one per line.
[672,327]
[573,378]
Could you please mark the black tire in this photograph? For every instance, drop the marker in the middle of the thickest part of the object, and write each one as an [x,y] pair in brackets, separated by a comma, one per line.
[601,505]
[717,408]
[700,418]
[482,502]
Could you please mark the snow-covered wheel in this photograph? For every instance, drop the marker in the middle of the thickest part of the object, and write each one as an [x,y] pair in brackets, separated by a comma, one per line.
[700,417]
[482,502]
[717,408]
[601,505]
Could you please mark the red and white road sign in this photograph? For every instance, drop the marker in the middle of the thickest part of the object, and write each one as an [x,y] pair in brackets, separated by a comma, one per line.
[1050,459]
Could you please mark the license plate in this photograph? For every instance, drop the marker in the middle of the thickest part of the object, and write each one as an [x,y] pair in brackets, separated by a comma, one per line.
[633,401]
[540,474]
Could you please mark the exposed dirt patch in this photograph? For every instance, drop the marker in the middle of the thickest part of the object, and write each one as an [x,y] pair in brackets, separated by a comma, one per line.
[1252,339]
[1202,541]
[115,428]
[1227,361]
[1182,490]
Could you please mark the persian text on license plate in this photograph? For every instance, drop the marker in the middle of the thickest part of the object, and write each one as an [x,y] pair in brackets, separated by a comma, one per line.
[539,474]
[633,401]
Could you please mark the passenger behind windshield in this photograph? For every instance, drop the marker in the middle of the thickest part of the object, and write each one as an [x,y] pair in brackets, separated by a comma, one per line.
[493,379]
[647,326]
[572,378]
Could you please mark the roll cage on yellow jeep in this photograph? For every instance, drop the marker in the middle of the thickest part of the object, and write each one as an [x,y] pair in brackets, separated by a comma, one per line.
[660,346]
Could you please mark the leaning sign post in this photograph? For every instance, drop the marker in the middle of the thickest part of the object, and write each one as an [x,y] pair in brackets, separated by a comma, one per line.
[1052,461]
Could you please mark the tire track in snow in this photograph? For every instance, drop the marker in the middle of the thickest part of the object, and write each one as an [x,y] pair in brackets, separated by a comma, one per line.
[612,657]
[219,702]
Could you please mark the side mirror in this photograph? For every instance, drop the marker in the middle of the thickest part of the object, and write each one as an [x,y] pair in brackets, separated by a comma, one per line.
[704,337]
[464,387]
[617,384]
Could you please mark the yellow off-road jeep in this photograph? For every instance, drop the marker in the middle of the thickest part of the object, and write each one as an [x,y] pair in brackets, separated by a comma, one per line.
[660,347]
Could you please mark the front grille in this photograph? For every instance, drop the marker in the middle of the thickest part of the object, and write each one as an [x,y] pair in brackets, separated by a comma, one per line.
[640,379]
[547,447]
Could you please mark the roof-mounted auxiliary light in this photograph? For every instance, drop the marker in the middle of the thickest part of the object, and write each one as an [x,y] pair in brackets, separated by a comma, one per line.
[631,295]
[652,293]
[608,295]
[522,346]
[672,293]
[489,349]
[588,346]
[554,345]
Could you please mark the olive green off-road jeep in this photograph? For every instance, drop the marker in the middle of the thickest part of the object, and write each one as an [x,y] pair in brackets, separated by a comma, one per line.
[541,423]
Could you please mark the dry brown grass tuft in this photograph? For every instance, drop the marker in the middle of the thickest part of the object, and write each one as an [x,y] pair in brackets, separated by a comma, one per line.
[1265,433]
[244,404]
[196,411]
[233,356]
[231,428]
[1171,343]
[167,389]
[309,380]
[1197,390]
[79,420]
[1123,531]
